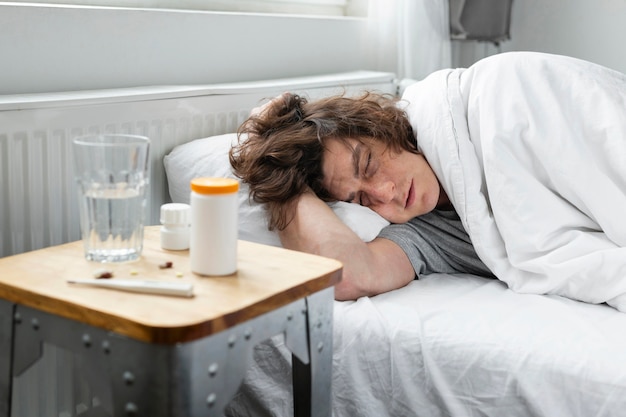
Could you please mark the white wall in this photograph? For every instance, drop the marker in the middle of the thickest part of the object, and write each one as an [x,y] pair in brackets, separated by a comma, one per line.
[57,48]
[61,48]
[594,30]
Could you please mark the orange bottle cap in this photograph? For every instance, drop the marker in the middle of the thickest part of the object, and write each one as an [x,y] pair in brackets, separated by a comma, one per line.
[214,185]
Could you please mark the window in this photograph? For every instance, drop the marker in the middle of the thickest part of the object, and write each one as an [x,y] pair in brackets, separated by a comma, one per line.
[309,7]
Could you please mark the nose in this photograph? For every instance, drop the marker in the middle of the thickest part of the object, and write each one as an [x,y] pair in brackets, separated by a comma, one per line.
[380,193]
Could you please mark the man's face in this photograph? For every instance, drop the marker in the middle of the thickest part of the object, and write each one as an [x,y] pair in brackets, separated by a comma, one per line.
[398,186]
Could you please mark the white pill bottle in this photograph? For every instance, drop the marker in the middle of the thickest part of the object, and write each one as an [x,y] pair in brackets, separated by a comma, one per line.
[175,220]
[213,238]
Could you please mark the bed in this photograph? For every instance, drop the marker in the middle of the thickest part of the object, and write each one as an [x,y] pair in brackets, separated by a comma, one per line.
[445,345]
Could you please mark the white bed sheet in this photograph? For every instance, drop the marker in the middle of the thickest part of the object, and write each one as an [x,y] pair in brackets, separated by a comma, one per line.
[459,345]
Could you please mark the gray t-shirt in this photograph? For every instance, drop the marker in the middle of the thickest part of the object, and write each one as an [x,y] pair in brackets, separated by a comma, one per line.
[437,242]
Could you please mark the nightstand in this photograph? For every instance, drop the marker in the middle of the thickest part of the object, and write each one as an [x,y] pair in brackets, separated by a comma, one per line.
[152,355]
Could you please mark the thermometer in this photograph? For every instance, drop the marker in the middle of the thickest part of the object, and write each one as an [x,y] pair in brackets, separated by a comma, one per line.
[179,289]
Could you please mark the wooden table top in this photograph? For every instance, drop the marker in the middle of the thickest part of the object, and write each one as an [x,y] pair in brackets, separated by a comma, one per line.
[267,278]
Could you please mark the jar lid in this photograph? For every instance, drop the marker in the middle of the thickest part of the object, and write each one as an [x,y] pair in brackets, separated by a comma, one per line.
[214,185]
[176,213]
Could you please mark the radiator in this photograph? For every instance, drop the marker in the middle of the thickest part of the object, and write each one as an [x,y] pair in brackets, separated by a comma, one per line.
[38,203]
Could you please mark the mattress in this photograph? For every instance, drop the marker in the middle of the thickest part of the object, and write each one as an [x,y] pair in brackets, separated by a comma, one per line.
[458,345]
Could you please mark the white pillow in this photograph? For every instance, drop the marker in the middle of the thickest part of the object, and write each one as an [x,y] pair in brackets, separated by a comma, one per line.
[208,157]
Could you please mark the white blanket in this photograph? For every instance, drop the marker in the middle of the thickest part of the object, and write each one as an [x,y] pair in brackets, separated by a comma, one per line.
[531,150]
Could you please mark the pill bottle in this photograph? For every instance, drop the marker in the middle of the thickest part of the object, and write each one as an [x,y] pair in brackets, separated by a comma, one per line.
[213,239]
[175,220]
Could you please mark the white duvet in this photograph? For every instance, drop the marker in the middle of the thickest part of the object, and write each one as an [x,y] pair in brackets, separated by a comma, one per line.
[531,149]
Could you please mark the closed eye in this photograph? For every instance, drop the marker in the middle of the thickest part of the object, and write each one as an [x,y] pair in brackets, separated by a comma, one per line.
[366,171]
[368,165]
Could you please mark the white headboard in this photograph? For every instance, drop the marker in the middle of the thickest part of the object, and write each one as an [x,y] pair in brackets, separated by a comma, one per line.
[38,204]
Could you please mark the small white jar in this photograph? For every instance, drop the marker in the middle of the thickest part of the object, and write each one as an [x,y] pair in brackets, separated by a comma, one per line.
[175,218]
[213,239]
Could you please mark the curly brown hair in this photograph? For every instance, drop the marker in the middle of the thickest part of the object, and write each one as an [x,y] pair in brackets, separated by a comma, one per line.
[280,150]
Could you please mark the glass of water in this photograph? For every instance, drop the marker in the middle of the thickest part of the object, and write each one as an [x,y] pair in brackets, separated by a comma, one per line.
[112,174]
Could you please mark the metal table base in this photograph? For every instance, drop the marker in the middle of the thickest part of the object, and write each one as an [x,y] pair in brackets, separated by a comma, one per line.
[121,376]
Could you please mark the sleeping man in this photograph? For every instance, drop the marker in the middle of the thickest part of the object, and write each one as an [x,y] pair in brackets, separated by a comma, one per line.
[513,168]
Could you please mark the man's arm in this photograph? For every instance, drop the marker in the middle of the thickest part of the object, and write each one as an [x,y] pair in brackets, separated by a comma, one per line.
[368,268]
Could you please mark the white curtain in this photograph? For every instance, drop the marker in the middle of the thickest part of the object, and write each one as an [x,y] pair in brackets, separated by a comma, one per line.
[410,38]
